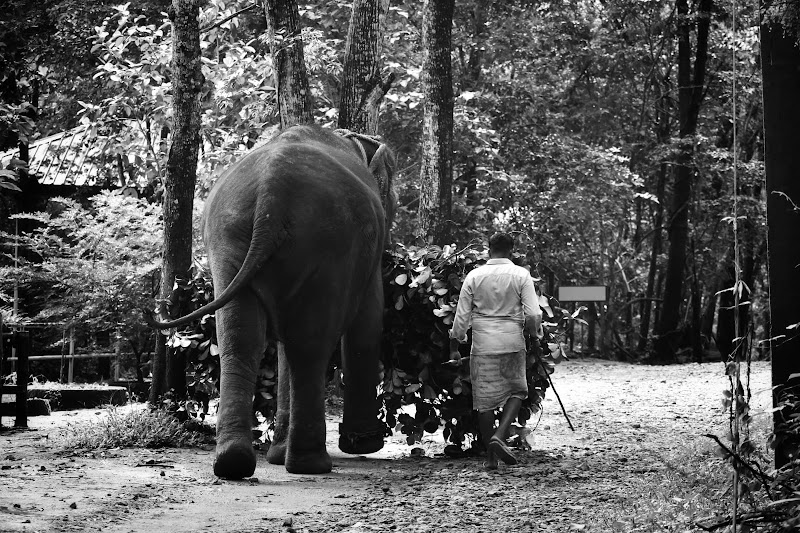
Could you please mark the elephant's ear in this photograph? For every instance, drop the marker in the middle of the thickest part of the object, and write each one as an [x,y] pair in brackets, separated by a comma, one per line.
[382,165]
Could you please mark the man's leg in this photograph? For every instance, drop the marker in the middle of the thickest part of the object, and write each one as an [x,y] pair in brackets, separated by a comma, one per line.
[497,444]
[510,412]
[486,425]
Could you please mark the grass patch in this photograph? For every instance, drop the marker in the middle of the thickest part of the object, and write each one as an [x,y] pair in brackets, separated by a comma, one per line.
[137,428]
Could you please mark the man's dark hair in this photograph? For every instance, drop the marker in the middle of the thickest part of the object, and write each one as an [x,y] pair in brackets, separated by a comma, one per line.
[501,243]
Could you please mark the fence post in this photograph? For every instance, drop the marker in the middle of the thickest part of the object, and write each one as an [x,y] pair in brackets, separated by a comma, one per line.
[117,353]
[2,365]
[63,355]
[71,367]
[22,341]
[2,355]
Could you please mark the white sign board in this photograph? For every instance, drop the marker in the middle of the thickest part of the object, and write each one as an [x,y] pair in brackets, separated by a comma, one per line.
[584,293]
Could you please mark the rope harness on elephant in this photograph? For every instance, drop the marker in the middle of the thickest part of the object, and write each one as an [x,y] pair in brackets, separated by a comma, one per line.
[358,139]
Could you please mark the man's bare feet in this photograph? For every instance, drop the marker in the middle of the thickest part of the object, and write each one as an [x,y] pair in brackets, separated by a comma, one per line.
[498,448]
[491,461]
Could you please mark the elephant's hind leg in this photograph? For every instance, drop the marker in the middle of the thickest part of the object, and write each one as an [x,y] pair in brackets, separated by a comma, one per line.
[277,448]
[241,329]
[361,431]
[305,444]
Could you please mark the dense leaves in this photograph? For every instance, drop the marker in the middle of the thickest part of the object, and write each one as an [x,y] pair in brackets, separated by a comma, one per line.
[564,117]
[88,266]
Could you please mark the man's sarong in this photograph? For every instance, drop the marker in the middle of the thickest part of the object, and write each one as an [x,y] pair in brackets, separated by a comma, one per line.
[496,378]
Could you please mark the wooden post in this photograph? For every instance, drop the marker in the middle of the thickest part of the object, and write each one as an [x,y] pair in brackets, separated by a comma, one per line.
[71,367]
[2,371]
[63,355]
[117,353]
[22,340]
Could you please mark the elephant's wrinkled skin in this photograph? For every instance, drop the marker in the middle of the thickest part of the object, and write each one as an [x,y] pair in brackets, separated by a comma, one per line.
[294,233]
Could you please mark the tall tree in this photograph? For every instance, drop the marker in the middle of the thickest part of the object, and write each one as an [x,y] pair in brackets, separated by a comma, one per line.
[691,90]
[187,82]
[436,174]
[780,63]
[362,87]
[286,41]
[663,124]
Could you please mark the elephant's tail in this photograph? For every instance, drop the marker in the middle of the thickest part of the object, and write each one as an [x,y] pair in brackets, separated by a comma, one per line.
[263,244]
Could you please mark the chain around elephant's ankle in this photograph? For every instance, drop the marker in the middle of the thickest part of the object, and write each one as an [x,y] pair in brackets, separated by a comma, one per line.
[354,437]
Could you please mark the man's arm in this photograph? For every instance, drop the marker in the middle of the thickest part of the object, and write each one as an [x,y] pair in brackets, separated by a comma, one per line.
[455,355]
[531,309]
[461,322]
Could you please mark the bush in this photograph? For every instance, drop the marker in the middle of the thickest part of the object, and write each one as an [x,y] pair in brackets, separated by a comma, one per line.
[769,500]
[782,510]
[138,428]
[197,344]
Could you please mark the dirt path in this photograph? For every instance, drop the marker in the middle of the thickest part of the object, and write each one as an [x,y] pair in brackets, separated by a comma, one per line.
[636,462]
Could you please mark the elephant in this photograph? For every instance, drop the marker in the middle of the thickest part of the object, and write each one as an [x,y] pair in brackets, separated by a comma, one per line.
[295,233]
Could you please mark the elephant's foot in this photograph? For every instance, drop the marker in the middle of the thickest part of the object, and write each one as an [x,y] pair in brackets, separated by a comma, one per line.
[276,454]
[361,442]
[308,462]
[236,459]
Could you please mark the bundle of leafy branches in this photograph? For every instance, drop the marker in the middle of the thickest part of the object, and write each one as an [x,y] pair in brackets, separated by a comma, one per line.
[421,287]
[197,345]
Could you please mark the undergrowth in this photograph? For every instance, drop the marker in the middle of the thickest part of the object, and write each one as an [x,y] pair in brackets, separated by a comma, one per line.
[770,497]
[138,428]
[685,481]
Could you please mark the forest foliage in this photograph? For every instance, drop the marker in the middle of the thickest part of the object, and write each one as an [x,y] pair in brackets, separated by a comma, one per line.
[566,131]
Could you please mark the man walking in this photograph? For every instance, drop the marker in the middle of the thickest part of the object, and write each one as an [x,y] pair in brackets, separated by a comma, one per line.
[499,301]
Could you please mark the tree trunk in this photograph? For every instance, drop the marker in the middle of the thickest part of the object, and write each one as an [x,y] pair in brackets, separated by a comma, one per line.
[780,63]
[472,66]
[436,174]
[707,322]
[286,42]
[362,87]
[691,86]
[658,221]
[697,313]
[33,114]
[168,372]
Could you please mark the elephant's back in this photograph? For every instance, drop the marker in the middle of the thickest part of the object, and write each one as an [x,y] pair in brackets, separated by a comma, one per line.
[303,163]
[309,182]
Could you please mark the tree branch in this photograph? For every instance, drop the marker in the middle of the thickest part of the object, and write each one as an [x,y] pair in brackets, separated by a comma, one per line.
[738,460]
[373,97]
[229,17]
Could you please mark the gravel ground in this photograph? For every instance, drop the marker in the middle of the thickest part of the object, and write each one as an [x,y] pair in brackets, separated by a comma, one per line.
[638,460]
